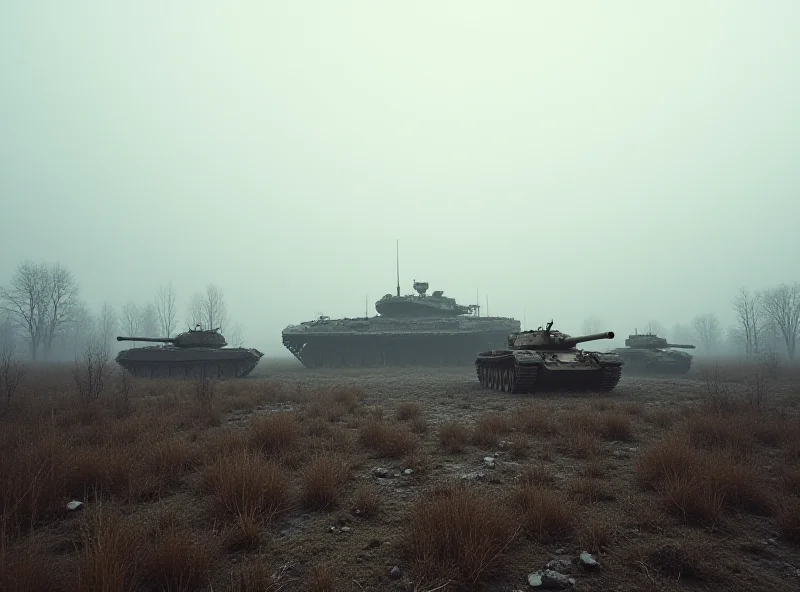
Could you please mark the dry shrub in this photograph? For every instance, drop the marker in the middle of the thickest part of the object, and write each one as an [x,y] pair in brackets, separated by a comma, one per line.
[595,467]
[711,430]
[590,490]
[535,419]
[546,514]
[322,481]
[453,437]
[417,461]
[334,403]
[540,475]
[254,576]
[272,434]
[690,558]
[246,487]
[488,429]
[632,408]
[699,484]
[518,445]
[180,560]
[458,534]
[387,440]
[582,443]
[662,418]
[367,500]
[595,534]
[788,519]
[320,578]
[110,555]
[406,411]
[419,425]
[616,426]
[28,568]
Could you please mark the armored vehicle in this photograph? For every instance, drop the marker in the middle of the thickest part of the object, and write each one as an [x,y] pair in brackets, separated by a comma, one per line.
[647,353]
[420,329]
[197,353]
[544,359]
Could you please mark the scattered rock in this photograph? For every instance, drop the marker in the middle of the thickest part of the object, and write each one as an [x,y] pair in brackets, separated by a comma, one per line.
[559,565]
[395,573]
[382,473]
[535,579]
[550,580]
[587,560]
[472,476]
[488,461]
[346,529]
[72,506]
[333,529]
[408,472]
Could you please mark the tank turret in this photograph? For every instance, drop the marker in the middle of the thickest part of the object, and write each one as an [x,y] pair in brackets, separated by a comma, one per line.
[548,360]
[196,337]
[547,339]
[647,353]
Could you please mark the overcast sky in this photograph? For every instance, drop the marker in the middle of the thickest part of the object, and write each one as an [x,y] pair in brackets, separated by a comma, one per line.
[632,160]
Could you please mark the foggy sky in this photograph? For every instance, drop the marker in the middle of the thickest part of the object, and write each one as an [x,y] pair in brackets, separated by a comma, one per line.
[632,160]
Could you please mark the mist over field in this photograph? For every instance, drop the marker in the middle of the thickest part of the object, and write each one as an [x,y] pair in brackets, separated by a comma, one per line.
[612,166]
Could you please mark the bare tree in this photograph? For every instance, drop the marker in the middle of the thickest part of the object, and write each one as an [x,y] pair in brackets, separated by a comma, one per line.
[81,328]
[592,325]
[148,324]
[107,324]
[706,330]
[165,309]
[234,338]
[61,298]
[209,309]
[91,371]
[749,315]
[25,302]
[130,321]
[12,370]
[782,306]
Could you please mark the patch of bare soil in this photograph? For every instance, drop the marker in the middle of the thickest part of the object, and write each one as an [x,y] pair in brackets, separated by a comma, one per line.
[402,479]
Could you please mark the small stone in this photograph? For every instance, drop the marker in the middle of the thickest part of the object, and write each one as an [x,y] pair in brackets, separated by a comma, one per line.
[489,462]
[553,580]
[346,529]
[535,579]
[72,506]
[381,472]
[395,573]
[397,474]
[587,560]
[408,472]
[333,529]
[560,565]
[472,476]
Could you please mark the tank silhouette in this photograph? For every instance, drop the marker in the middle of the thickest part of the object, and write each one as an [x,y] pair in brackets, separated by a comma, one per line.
[647,353]
[196,353]
[419,329]
[547,360]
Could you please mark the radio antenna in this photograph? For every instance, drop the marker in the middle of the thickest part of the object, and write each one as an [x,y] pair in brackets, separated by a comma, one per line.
[398,268]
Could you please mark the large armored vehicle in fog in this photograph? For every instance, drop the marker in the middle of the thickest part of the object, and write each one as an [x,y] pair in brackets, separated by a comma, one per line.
[419,329]
[547,360]
[197,353]
[647,353]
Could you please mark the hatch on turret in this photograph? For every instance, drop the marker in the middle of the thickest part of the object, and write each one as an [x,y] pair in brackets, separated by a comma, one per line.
[421,287]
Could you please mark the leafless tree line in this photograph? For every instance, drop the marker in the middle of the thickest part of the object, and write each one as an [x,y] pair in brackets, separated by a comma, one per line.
[41,306]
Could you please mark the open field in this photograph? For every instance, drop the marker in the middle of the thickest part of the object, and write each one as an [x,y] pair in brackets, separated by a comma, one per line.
[323,480]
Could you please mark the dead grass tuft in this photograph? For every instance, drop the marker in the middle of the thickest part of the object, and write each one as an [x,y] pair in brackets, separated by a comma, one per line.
[546,515]
[489,428]
[535,419]
[788,519]
[387,440]
[453,437]
[595,534]
[540,475]
[323,480]
[367,500]
[407,411]
[272,434]
[180,560]
[320,578]
[590,490]
[459,534]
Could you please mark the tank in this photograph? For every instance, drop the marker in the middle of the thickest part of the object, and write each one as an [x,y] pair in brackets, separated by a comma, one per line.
[647,353]
[415,329]
[547,360]
[197,353]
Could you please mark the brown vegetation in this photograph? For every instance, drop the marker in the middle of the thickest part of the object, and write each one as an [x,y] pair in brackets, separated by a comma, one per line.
[274,484]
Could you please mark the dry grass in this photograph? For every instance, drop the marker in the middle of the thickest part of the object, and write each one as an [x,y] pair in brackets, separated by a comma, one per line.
[459,535]
[387,440]
[235,486]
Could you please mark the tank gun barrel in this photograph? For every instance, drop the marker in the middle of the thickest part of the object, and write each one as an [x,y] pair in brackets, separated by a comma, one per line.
[570,341]
[680,345]
[151,339]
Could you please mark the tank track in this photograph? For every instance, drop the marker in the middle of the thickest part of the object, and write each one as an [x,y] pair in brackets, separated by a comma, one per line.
[522,379]
[190,370]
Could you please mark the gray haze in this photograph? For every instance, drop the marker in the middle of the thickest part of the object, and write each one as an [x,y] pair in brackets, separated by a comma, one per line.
[632,160]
